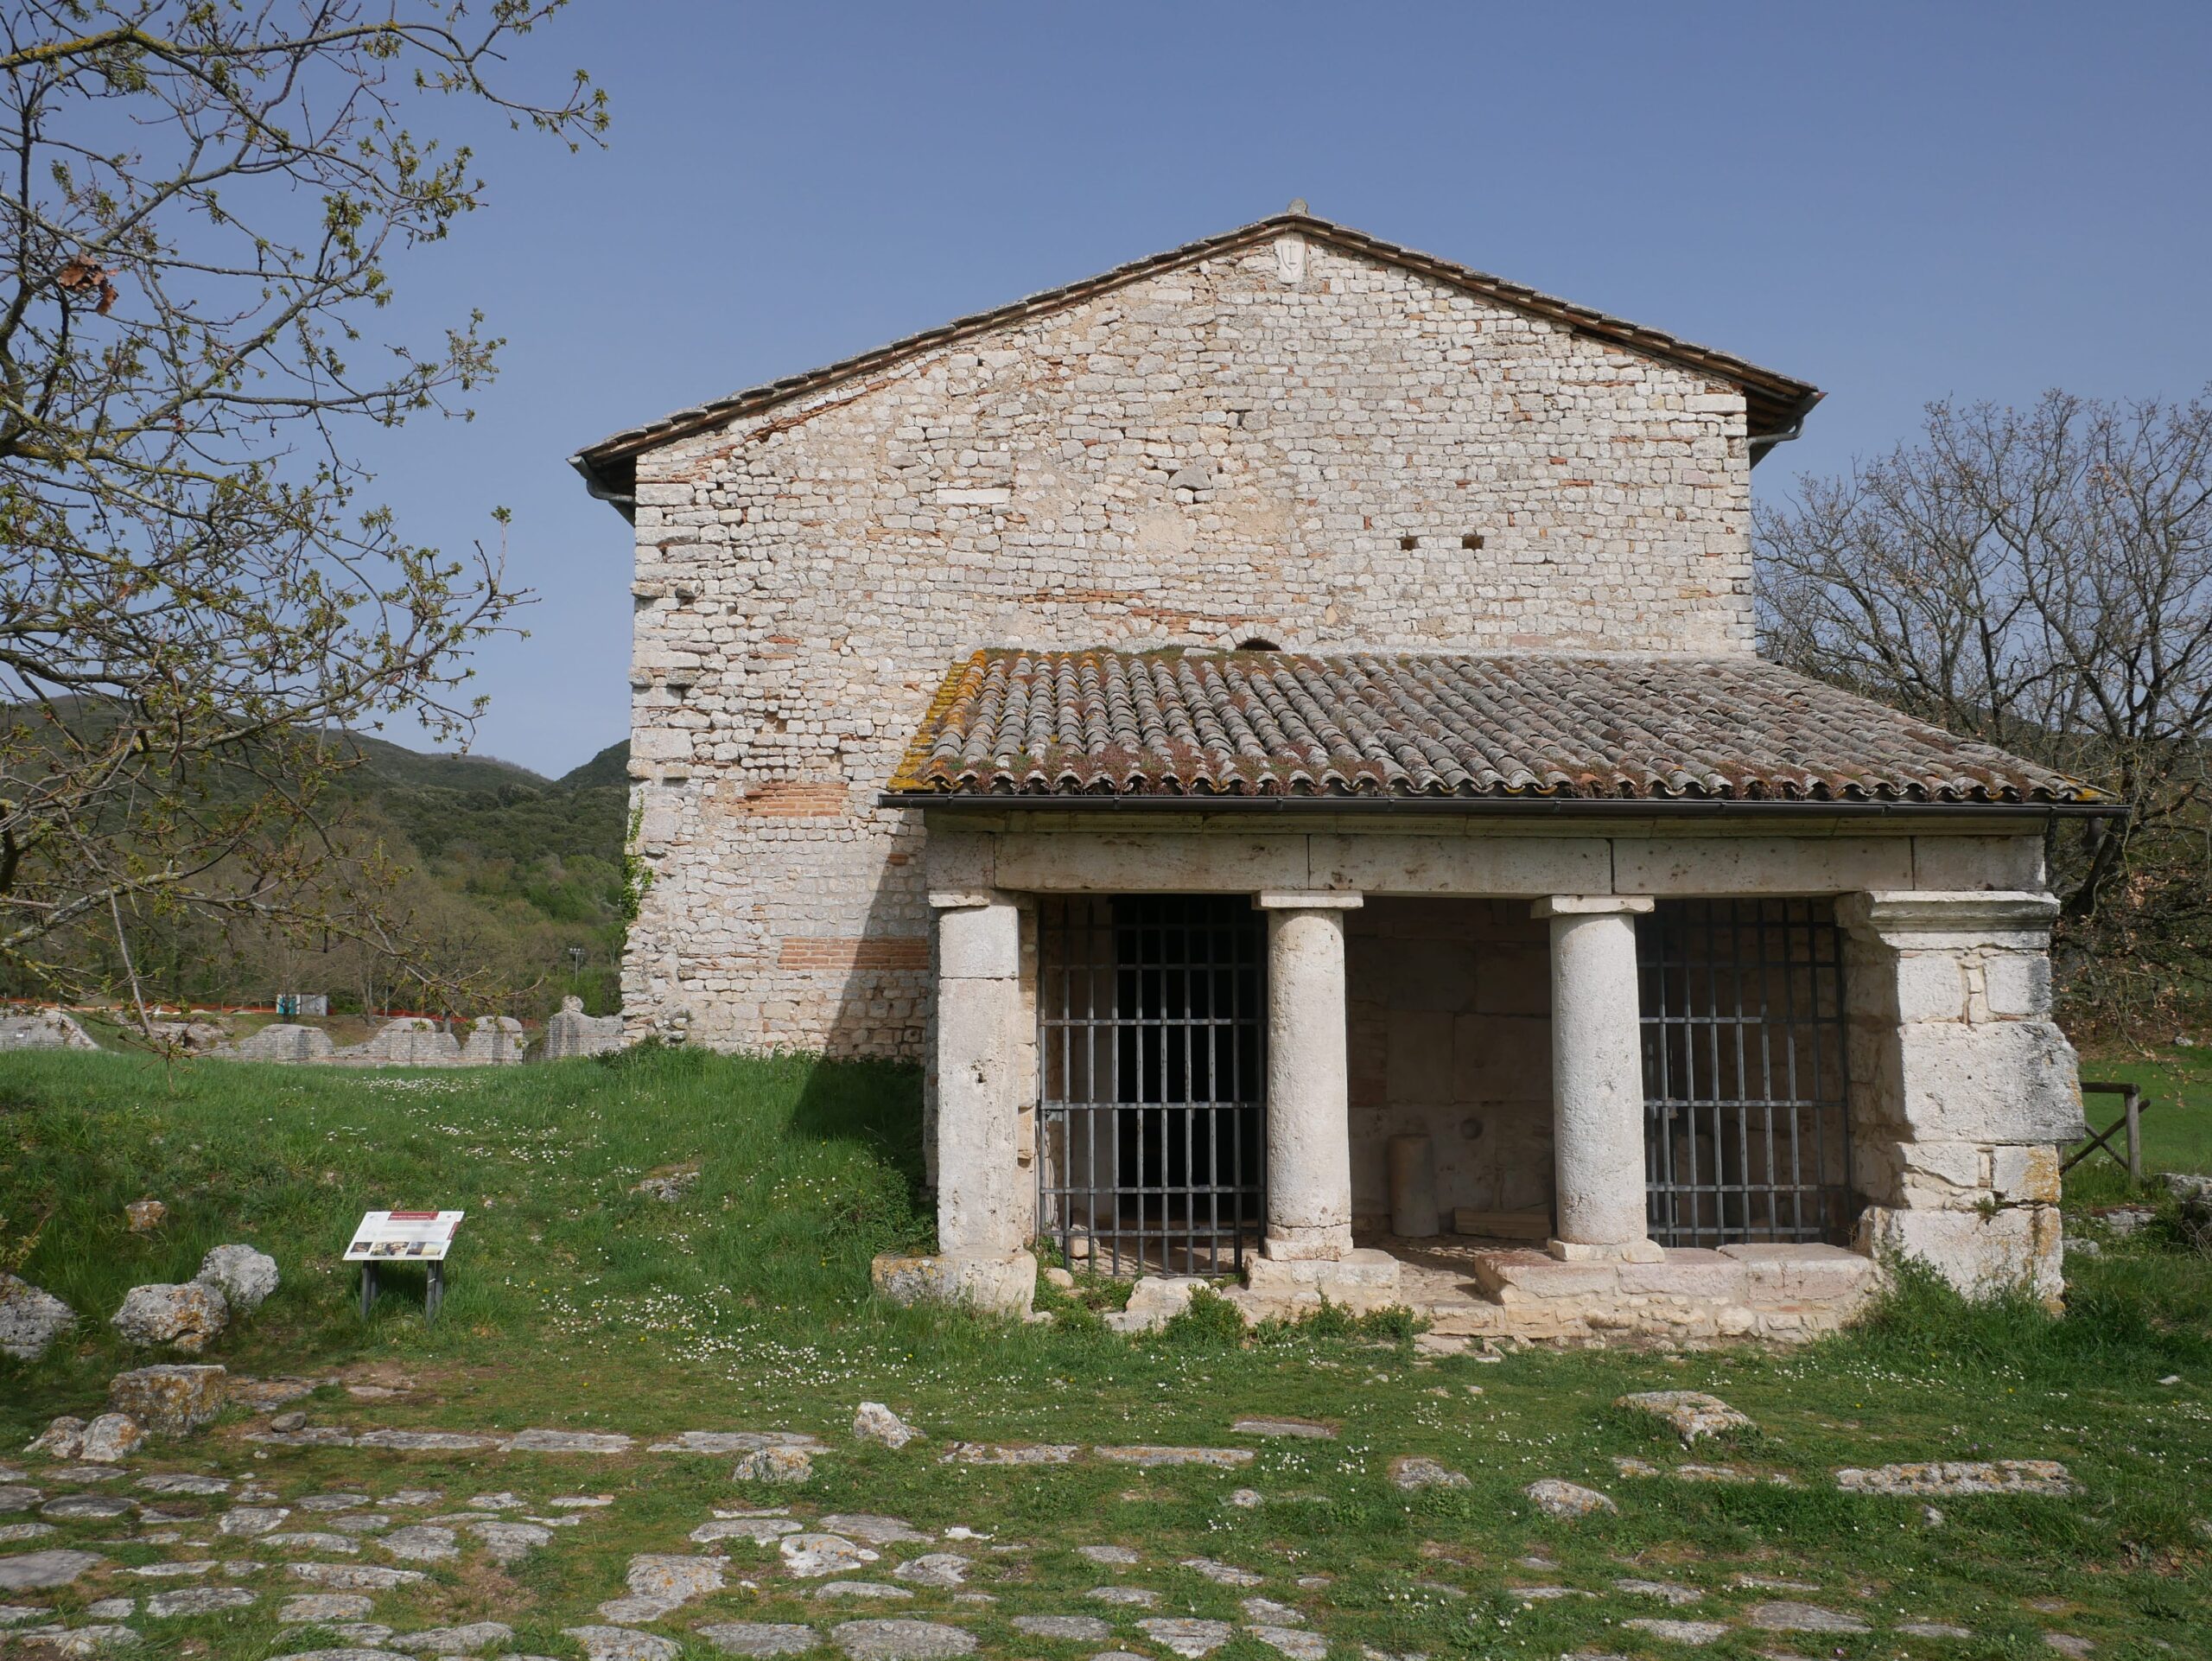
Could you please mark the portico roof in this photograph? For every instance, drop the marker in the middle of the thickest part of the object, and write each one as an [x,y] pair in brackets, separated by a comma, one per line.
[1078,728]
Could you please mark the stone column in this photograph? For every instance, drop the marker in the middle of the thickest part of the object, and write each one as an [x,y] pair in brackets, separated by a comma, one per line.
[1596,1078]
[1309,1090]
[1963,1088]
[985,1078]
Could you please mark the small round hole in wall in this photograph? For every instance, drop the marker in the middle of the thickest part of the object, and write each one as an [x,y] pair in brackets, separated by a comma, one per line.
[1471,1128]
[1257,644]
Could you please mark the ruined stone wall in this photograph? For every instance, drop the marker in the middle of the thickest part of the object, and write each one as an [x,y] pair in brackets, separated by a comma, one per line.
[1449,1009]
[1290,444]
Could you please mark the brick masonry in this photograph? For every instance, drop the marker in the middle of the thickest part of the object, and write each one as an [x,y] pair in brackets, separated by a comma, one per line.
[1289,443]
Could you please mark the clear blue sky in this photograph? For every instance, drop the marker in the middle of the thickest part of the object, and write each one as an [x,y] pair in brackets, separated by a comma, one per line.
[1897,203]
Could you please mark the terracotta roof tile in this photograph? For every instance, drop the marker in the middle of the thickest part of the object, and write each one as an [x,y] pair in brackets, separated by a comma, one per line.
[1381,726]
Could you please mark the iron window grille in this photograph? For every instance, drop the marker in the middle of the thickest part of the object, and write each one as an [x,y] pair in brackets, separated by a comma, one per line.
[1747,1134]
[1151,1116]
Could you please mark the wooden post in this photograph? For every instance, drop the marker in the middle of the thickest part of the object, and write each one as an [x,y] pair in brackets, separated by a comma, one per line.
[2135,1134]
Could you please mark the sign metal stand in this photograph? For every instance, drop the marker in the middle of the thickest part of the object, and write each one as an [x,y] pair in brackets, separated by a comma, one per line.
[423,1237]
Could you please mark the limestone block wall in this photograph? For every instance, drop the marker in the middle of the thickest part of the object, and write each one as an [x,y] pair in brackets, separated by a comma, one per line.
[1290,443]
[1964,1089]
[1449,1012]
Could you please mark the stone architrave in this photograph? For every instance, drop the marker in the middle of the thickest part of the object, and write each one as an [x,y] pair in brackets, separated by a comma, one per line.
[1597,1078]
[1964,1089]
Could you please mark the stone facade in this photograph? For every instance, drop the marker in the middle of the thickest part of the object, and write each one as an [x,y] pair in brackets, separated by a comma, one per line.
[1290,443]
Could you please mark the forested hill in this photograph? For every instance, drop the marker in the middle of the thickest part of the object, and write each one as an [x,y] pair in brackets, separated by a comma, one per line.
[479,807]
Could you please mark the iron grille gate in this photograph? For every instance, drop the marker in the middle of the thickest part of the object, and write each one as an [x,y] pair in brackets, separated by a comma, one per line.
[1152,1143]
[1746,1128]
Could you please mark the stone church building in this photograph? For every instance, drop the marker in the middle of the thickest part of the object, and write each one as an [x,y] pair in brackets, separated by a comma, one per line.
[1276,727]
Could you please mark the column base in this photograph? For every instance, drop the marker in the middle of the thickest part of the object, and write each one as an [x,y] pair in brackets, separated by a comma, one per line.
[1329,1243]
[1289,1289]
[1613,1252]
[998,1286]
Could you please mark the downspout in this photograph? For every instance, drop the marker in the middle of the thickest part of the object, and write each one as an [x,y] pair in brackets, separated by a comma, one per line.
[1795,430]
[623,502]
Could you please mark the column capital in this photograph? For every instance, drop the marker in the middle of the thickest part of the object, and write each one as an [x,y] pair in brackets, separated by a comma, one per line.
[1592,905]
[1307,900]
[969,899]
[1908,916]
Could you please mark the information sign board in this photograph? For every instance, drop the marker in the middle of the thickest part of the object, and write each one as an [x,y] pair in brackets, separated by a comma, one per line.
[403,1235]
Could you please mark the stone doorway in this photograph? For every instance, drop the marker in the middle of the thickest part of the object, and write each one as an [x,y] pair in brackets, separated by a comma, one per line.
[1152,1145]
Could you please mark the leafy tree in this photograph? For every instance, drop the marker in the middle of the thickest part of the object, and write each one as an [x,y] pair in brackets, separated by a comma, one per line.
[2040,579]
[202,202]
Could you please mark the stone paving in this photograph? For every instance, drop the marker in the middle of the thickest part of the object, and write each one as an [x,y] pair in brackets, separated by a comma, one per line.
[342,1569]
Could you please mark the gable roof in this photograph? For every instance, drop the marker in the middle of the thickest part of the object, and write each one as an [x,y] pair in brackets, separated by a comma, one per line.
[1067,728]
[1775,402]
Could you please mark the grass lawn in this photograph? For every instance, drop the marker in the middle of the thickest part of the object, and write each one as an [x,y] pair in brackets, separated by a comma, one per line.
[575,1302]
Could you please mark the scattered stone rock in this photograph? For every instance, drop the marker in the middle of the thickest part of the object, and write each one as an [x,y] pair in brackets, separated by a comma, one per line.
[1800,1618]
[876,1423]
[901,1640]
[110,1438]
[1110,1557]
[1267,1613]
[1952,1477]
[730,1441]
[86,1507]
[419,1543]
[184,1482]
[874,1530]
[423,1441]
[186,1317]
[253,1519]
[1137,1597]
[35,1570]
[762,1639]
[1009,1453]
[144,1216]
[1247,1498]
[569,1441]
[43,1030]
[60,1439]
[781,1465]
[1152,1458]
[669,1185]
[17,1499]
[1697,1632]
[1072,1629]
[313,1540]
[1221,1574]
[1153,1301]
[330,1502]
[620,1643]
[244,1275]
[1409,1472]
[1774,1583]
[353,1577]
[75,1640]
[288,1422]
[761,1530]
[471,1639]
[16,1533]
[1935,1628]
[510,1543]
[811,1556]
[832,1591]
[1566,1500]
[31,1319]
[1673,1591]
[1306,1428]
[320,1609]
[14,1614]
[1293,1641]
[1187,1638]
[1691,1412]
[199,1601]
[173,1570]
[575,1501]
[946,1571]
[112,1608]
[678,1579]
[417,1498]
[172,1400]
[2069,1644]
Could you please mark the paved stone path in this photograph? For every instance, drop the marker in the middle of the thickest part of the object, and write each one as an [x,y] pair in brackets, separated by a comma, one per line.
[341,1568]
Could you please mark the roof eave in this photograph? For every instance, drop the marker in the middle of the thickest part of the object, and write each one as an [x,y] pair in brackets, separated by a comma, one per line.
[1553,807]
